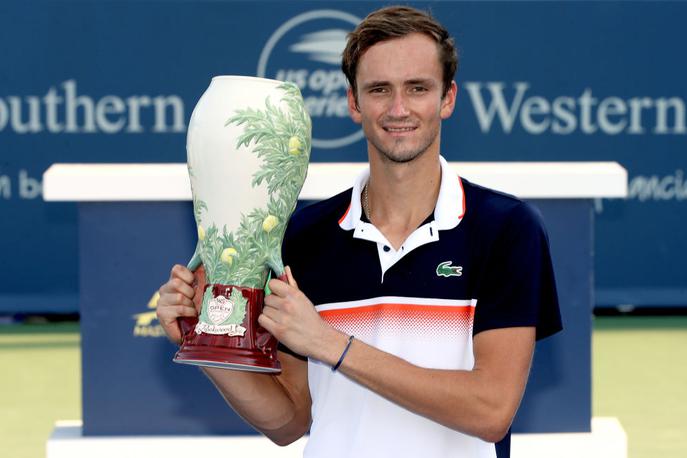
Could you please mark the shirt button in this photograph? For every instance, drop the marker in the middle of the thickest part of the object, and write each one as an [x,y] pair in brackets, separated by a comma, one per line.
[386,248]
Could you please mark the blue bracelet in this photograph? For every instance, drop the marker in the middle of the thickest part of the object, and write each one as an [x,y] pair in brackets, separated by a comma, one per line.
[343,355]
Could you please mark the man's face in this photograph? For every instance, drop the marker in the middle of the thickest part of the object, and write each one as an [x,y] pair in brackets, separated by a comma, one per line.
[399,97]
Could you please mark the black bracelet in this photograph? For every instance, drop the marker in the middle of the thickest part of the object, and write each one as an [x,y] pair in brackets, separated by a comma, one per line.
[343,355]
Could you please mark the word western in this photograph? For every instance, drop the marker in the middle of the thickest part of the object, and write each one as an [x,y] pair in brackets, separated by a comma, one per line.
[567,115]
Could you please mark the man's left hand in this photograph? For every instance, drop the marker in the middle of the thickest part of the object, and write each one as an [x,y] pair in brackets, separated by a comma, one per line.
[291,317]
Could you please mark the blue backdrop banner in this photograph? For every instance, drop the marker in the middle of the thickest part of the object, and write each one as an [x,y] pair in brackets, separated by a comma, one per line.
[116,81]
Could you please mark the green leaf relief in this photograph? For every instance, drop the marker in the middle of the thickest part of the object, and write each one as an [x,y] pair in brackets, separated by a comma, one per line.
[281,139]
[239,311]
[198,207]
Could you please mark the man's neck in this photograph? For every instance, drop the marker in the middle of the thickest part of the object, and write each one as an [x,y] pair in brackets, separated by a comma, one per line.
[401,196]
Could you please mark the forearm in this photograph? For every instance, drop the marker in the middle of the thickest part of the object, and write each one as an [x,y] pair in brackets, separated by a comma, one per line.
[457,399]
[480,402]
[272,404]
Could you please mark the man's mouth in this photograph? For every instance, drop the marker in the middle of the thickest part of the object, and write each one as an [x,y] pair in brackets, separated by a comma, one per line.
[395,130]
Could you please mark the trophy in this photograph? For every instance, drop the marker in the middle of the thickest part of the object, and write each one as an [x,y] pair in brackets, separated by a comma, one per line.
[248,146]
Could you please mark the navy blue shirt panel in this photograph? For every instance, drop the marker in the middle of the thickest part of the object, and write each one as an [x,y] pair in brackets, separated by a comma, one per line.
[516,284]
[501,244]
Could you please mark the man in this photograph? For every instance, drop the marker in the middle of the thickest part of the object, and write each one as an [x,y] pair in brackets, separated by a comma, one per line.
[429,292]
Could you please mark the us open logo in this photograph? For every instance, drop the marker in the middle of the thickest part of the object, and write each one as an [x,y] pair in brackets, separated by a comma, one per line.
[306,50]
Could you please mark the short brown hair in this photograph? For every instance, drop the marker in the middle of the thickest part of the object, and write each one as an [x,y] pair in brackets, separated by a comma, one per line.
[396,22]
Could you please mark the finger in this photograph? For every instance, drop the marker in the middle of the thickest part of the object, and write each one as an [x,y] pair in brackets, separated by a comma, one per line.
[172,299]
[289,277]
[181,272]
[178,286]
[170,313]
[272,300]
[168,320]
[182,310]
[272,313]
[279,287]
[267,323]
[276,303]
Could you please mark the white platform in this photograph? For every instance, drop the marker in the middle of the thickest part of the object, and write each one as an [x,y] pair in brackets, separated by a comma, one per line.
[162,182]
[607,440]
[169,182]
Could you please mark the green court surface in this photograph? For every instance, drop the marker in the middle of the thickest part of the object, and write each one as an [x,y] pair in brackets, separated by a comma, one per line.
[40,383]
[639,376]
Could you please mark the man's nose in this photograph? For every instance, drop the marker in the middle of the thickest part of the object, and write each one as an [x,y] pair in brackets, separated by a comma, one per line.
[399,106]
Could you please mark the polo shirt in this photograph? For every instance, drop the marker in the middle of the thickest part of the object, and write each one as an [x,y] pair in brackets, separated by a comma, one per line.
[480,262]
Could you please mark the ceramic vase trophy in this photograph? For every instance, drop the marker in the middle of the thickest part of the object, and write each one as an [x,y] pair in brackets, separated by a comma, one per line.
[248,147]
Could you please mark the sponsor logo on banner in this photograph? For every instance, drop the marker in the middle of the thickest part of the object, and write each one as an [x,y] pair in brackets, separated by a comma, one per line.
[64,109]
[501,106]
[146,323]
[658,188]
[23,186]
[306,50]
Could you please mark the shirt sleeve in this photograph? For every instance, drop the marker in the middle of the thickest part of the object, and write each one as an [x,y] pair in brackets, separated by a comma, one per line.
[519,287]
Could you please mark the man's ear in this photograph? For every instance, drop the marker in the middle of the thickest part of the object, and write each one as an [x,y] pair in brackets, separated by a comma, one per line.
[353,108]
[448,103]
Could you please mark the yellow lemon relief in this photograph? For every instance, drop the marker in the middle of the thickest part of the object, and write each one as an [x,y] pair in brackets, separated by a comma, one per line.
[201,232]
[295,146]
[269,223]
[227,256]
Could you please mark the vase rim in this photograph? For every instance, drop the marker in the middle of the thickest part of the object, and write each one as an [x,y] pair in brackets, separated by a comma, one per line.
[244,77]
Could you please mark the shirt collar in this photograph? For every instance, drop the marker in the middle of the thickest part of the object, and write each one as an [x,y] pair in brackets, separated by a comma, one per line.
[450,208]
[448,212]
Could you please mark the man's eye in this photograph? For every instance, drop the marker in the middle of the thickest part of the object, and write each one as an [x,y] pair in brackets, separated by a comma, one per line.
[378,90]
[419,89]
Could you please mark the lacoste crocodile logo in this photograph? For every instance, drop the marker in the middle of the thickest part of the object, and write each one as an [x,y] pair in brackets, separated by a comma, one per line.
[445,269]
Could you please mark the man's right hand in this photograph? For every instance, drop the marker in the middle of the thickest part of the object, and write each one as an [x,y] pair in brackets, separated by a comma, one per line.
[176,300]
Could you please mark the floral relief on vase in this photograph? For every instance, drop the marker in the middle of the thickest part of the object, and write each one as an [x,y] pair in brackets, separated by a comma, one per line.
[270,144]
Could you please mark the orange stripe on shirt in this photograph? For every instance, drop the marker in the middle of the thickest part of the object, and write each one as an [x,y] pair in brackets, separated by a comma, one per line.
[401,309]
[462,191]
[400,313]
[421,318]
[344,215]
